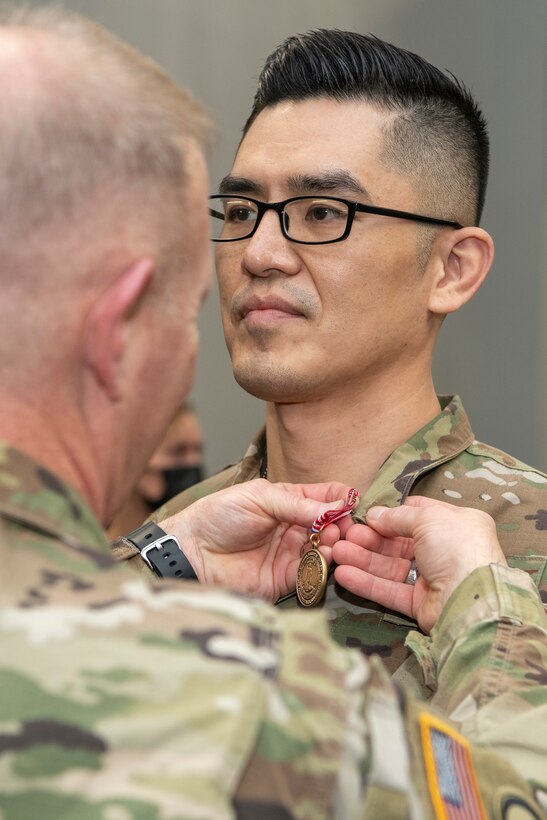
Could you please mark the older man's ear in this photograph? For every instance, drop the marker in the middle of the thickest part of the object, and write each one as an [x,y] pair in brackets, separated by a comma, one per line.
[109,321]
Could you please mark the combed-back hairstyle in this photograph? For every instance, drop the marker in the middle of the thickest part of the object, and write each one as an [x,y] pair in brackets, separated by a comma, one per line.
[438,135]
[85,120]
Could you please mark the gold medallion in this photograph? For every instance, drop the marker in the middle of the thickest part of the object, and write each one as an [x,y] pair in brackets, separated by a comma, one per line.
[311,578]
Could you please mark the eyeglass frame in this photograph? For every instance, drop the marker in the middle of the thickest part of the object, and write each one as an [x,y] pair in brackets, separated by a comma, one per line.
[352,207]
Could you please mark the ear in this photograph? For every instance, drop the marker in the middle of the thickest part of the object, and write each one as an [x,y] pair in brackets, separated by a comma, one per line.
[106,337]
[461,264]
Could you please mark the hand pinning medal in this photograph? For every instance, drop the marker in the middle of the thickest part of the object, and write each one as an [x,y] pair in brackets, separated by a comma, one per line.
[311,578]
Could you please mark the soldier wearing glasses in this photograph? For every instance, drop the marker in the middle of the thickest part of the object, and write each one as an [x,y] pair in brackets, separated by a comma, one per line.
[346,230]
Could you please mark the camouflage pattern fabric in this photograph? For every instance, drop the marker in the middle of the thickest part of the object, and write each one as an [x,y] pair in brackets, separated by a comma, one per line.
[444,461]
[127,700]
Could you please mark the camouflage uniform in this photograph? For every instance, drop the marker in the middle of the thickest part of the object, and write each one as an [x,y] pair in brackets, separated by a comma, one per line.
[444,461]
[125,699]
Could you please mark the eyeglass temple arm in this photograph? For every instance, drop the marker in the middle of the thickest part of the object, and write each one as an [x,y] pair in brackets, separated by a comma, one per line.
[431,220]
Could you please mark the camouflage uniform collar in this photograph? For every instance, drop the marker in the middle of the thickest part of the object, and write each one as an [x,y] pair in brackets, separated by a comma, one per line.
[35,497]
[443,438]
[250,465]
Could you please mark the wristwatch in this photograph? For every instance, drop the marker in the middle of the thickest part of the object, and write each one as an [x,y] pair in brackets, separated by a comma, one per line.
[161,552]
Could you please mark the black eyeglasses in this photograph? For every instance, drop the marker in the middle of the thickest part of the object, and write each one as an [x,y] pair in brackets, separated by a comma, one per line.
[308,220]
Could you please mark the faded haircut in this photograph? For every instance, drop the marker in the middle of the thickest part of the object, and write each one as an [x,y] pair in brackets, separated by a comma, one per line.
[85,119]
[437,135]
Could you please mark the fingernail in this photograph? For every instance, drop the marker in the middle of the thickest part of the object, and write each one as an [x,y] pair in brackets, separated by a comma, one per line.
[376,512]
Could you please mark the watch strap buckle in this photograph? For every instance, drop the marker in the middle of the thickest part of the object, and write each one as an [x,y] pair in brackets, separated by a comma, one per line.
[161,552]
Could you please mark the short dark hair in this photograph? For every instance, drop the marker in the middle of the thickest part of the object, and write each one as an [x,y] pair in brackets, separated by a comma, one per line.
[439,135]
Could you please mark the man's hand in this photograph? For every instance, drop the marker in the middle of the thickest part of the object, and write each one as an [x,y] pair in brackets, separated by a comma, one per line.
[248,537]
[447,542]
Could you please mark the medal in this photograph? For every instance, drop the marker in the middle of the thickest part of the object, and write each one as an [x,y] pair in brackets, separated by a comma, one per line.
[311,578]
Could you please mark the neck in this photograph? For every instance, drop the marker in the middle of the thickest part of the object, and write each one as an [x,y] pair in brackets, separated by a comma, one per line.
[344,437]
[57,445]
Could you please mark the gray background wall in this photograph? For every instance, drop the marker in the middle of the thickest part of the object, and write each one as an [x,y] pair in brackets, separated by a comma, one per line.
[494,351]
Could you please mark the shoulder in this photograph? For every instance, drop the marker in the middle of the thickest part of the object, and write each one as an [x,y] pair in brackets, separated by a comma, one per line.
[512,492]
[207,681]
[486,473]
[225,478]
[507,464]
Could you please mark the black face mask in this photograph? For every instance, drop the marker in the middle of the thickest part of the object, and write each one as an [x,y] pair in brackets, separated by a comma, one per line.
[177,480]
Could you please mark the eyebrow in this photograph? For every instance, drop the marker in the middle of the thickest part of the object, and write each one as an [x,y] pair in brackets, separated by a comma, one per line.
[240,185]
[332,182]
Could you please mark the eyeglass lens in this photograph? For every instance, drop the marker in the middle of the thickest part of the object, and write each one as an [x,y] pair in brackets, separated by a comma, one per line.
[315,219]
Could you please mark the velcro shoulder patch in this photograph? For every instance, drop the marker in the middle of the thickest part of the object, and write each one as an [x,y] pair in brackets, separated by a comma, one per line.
[450,772]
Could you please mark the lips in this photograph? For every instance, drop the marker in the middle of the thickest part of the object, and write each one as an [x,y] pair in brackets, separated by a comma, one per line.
[267,306]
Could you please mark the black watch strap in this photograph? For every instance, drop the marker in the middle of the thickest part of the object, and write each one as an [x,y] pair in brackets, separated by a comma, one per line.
[161,552]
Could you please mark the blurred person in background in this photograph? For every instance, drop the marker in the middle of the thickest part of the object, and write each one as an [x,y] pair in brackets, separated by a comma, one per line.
[175,465]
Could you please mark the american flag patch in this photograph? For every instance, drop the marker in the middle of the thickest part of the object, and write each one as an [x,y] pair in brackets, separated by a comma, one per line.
[450,774]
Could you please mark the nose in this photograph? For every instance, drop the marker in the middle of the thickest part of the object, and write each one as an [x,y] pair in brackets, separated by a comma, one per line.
[268,251]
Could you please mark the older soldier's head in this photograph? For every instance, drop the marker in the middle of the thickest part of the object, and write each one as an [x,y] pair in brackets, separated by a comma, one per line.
[104,256]
[376,162]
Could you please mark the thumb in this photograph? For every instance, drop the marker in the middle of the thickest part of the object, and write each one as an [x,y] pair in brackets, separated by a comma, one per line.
[395,521]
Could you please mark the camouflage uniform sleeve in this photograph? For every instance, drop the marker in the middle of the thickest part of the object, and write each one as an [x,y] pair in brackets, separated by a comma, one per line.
[120,699]
[478,750]
[487,658]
